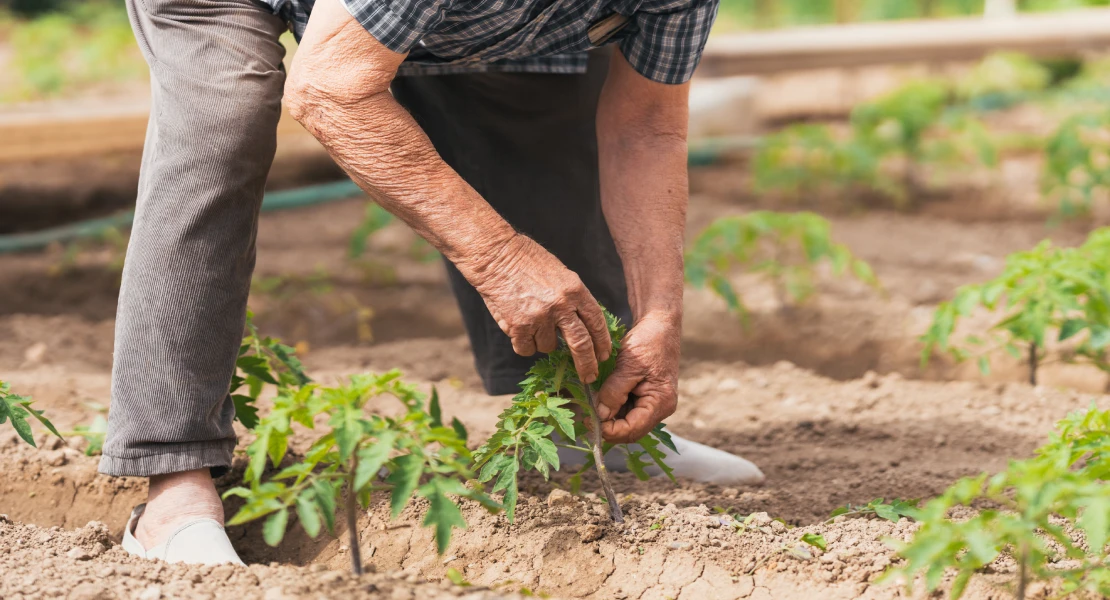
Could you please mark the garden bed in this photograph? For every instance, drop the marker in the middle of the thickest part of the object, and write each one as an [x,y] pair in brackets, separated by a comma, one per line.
[826,397]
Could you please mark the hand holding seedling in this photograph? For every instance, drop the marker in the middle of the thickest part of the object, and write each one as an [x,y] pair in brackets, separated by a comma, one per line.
[646,375]
[533,298]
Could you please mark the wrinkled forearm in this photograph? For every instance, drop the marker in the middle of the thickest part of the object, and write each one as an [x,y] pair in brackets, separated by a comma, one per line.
[338,89]
[383,150]
[644,192]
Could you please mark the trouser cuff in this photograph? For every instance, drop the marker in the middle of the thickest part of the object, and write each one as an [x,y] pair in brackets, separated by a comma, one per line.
[215,456]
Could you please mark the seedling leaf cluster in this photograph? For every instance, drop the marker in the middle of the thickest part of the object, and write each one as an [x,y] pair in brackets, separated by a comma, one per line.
[261,361]
[358,452]
[542,417]
[1042,292]
[1039,511]
[16,409]
[882,151]
[786,248]
[405,456]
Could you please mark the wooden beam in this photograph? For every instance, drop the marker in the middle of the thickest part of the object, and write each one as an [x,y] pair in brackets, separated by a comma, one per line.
[1068,33]
[65,131]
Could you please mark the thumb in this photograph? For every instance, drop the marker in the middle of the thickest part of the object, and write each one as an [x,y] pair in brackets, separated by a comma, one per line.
[614,392]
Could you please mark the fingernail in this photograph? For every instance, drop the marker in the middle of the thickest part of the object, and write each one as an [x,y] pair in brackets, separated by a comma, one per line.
[591,378]
[603,412]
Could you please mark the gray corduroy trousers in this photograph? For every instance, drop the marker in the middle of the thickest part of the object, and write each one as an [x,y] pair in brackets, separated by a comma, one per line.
[525,141]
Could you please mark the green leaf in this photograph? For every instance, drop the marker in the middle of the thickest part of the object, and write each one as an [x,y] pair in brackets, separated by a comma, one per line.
[1095,522]
[325,499]
[1071,327]
[510,500]
[460,429]
[257,367]
[434,410]
[636,465]
[405,476]
[371,458]
[308,515]
[507,482]
[814,539]
[273,530]
[545,448]
[347,421]
[443,514]
[507,479]
[984,365]
[456,578]
[245,411]
[651,447]
[19,422]
[664,436]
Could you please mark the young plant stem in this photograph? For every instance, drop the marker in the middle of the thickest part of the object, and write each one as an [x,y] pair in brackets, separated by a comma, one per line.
[352,519]
[599,458]
[1033,363]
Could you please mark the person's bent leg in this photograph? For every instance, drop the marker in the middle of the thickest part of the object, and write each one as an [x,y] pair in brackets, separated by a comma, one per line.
[216,78]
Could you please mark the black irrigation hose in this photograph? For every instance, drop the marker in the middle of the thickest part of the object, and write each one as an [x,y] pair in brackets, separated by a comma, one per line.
[704,152]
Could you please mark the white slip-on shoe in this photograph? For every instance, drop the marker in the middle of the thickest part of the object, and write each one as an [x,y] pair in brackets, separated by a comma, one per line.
[199,542]
[692,461]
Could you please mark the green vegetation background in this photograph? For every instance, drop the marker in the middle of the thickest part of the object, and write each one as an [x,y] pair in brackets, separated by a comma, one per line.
[59,48]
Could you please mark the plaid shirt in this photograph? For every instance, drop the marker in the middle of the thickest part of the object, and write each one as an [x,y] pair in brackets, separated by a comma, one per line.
[662,39]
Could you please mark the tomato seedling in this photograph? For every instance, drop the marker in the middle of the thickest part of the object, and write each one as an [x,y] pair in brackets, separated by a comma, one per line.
[892,511]
[1066,290]
[1077,164]
[415,451]
[784,247]
[17,409]
[94,431]
[261,361]
[908,128]
[1035,508]
[540,419]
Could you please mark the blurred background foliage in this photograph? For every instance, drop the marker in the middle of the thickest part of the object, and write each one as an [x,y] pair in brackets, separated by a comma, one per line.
[771,14]
[55,48]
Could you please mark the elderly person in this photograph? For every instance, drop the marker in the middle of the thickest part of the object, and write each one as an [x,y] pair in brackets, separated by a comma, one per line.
[549,171]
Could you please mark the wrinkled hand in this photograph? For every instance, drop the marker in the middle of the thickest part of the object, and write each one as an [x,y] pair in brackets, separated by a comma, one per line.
[533,296]
[647,368]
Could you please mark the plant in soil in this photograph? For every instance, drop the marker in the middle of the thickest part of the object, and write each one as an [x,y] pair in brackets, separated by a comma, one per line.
[1045,290]
[889,141]
[356,455]
[1050,514]
[16,409]
[786,248]
[261,361]
[808,160]
[1077,164]
[541,418]
[892,511]
[94,431]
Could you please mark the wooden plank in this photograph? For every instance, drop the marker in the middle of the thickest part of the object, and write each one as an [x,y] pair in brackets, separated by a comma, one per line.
[69,132]
[1068,33]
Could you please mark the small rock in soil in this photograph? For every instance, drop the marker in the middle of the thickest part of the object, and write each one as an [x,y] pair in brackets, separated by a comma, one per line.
[559,497]
[78,554]
[590,533]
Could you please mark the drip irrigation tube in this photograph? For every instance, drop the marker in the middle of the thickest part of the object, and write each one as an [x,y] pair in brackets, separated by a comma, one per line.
[701,153]
[93,228]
